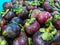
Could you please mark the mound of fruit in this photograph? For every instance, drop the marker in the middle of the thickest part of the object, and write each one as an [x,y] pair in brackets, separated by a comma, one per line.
[31,22]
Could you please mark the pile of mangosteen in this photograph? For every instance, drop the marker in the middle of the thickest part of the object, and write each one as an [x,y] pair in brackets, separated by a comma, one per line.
[30,22]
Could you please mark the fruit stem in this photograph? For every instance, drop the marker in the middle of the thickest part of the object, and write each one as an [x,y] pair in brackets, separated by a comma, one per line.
[3,13]
[30,41]
[22,28]
[30,12]
[4,33]
[29,21]
[19,9]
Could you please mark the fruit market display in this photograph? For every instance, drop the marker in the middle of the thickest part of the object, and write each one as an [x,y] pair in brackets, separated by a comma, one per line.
[30,22]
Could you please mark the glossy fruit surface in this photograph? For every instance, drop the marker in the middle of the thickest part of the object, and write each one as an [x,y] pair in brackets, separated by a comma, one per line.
[7,5]
[11,30]
[32,27]
[43,16]
[9,15]
[16,20]
[21,40]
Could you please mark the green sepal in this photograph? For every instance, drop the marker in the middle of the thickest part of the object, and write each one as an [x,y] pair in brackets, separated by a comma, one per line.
[29,21]
[49,29]
[30,41]
[42,30]
[22,27]
[3,42]
[19,9]
[54,32]
[41,1]
[4,12]
[47,36]
[49,22]
[33,3]
[57,16]
[4,33]
[30,12]
[51,2]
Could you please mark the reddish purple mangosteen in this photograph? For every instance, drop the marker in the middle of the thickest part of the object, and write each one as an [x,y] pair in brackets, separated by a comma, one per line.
[7,5]
[43,17]
[56,21]
[32,26]
[47,6]
[21,40]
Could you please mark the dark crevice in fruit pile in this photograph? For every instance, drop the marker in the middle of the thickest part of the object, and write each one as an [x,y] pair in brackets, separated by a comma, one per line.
[30,22]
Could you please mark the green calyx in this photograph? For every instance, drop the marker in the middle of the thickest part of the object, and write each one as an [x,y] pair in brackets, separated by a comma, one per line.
[4,33]
[49,22]
[19,9]
[29,21]
[41,1]
[42,30]
[22,27]
[57,16]
[30,41]
[47,36]
[2,42]
[49,31]
[33,3]
[30,12]
[54,32]
[51,2]
[4,12]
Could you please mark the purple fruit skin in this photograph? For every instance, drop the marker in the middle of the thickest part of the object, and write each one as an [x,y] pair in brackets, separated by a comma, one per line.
[33,27]
[37,40]
[9,15]
[21,40]
[57,23]
[43,17]
[30,7]
[7,5]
